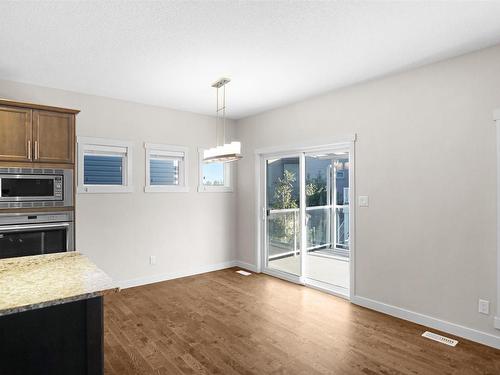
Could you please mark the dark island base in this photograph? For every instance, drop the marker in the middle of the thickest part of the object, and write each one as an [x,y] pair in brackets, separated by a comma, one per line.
[63,339]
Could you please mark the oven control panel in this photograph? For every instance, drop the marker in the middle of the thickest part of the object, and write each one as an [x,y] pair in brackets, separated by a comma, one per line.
[36,217]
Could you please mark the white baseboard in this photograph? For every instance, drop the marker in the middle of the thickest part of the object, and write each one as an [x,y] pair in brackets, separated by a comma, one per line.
[175,275]
[441,325]
[247,266]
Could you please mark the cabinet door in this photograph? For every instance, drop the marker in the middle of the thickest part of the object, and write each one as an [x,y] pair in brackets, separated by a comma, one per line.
[53,137]
[15,134]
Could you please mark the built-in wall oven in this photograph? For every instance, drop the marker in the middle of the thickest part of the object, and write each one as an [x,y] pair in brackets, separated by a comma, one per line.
[35,187]
[23,234]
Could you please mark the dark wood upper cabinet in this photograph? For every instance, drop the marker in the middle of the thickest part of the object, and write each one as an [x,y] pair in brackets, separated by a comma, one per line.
[53,137]
[36,133]
[15,134]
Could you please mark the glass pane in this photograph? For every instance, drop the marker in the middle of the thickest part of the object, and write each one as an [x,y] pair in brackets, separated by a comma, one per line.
[319,193]
[342,203]
[213,174]
[283,185]
[284,233]
[283,224]
[318,228]
[27,187]
[318,172]
[35,242]
[327,198]
[19,244]
[102,170]
[54,241]
[342,181]
[342,238]
[164,171]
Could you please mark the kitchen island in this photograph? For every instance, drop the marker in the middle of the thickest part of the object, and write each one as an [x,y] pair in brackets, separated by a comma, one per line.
[51,315]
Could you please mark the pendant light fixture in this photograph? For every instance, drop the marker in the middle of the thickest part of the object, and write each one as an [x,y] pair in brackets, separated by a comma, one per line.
[223,152]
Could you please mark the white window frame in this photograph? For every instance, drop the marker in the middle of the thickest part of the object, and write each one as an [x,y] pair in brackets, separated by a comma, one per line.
[103,145]
[228,178]
[183,169]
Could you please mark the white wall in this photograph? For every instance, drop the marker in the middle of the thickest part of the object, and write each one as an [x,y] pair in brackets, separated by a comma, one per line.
[187,232]
[425,155]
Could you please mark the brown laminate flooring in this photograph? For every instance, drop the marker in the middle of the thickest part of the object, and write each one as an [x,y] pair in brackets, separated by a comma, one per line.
[225,323]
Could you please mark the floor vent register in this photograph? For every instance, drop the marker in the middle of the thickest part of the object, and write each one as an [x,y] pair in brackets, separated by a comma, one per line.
[244,273]
[439,338]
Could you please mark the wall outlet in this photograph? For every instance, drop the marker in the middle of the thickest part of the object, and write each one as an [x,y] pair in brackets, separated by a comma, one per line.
[484,307]
[152,260]
[363,201]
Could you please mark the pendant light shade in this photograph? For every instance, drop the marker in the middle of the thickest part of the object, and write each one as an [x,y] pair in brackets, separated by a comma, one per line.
[223,152]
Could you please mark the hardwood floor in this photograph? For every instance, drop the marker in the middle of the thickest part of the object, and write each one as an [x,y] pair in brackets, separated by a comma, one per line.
[225,323]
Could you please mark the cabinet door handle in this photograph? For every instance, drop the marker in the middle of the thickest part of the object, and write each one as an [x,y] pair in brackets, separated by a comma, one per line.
[36,150]
[29,150]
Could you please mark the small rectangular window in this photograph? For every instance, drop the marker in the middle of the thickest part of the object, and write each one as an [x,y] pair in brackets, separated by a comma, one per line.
[214,177]
[104,165]
[166,168]
[213,174]
[164,172]
[102,169]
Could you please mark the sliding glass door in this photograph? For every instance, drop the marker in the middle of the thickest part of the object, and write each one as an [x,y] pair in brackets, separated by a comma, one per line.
[307,206]
[327,194]
[283,241]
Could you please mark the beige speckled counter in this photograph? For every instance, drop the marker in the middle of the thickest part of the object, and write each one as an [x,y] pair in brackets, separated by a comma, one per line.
[28,283]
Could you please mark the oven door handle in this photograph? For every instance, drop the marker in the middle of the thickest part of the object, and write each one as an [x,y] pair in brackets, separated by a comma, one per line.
[19,228]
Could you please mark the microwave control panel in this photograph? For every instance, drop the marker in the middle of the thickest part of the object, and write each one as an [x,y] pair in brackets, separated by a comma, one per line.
[58,187]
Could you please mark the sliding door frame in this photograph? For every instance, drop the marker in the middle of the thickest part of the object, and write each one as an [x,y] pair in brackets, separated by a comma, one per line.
[263,218]
[346,143]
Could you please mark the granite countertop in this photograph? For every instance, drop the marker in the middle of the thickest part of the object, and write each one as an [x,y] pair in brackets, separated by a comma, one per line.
[32,282]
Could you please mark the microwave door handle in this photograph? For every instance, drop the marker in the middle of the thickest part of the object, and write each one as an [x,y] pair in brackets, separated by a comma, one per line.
[18,228]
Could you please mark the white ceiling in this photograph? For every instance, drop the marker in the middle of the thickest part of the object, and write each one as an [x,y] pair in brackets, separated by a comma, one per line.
[169,53]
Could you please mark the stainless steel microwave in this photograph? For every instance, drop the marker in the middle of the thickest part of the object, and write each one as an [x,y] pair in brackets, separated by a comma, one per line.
[35,187]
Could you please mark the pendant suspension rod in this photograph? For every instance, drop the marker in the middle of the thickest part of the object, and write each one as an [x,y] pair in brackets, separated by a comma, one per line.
[217,120]
[221,107]
[224,115]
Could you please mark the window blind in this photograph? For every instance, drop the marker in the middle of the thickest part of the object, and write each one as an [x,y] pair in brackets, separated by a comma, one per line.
[164,171]
[103,169]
